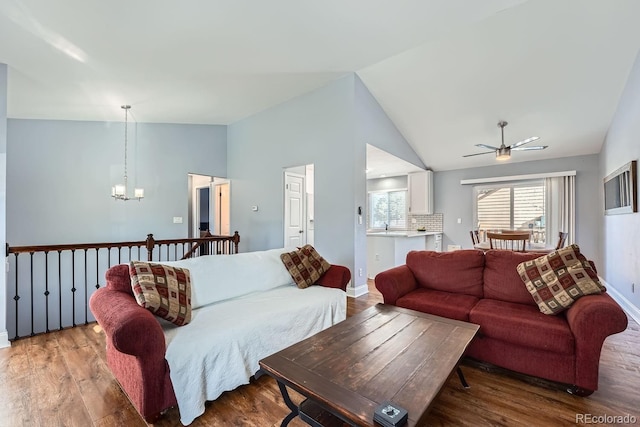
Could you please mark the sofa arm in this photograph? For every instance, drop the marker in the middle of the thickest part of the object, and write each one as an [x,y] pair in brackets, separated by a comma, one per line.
[337,276]
[395,282]
[119,279]
[592,319]
[130,328]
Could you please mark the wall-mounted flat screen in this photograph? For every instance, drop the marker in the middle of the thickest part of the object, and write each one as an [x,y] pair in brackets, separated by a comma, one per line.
[620,195]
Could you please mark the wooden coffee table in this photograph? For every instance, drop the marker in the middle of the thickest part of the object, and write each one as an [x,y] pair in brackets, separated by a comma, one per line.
[383,353]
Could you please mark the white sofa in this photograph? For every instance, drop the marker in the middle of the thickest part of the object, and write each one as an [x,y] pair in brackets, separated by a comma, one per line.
[244,308]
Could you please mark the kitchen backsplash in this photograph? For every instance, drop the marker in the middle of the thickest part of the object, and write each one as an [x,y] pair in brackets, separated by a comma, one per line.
[432,222]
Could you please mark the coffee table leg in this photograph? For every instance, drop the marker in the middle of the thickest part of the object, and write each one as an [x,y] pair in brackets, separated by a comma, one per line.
[289,403]
[462,378]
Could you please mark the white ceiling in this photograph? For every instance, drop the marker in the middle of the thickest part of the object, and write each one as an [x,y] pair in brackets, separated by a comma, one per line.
[381,164]
[445,71]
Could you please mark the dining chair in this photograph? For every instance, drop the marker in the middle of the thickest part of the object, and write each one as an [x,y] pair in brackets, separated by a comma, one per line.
[562,239]
[475,238]
[509,241]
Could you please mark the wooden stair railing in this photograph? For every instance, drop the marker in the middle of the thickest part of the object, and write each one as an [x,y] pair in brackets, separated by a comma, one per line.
[210,244]
[52,284]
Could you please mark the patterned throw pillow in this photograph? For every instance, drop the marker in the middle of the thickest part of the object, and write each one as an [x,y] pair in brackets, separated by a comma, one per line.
[558,279]
[305,265]
[163,290]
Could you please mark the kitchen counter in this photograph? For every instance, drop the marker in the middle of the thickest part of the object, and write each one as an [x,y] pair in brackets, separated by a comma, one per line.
[406,233]
[388,249]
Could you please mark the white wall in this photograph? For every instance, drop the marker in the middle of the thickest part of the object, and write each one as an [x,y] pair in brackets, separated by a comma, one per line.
[588,206]
[621,233]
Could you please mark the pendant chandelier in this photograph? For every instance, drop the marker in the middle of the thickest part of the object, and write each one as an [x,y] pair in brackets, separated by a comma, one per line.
[120,191]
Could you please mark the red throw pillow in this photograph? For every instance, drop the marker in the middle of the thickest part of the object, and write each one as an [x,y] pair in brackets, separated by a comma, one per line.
[163,290]
[559,278]
[305,265]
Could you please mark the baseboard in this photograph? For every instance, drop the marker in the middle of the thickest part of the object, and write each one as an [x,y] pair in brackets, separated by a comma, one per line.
[4,339]
[355,292]
[626,305]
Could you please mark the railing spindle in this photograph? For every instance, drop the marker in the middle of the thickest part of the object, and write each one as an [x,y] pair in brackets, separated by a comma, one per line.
[16,297]
[73,287]
[31,281]
[86,289]
[46,290]
[60,288]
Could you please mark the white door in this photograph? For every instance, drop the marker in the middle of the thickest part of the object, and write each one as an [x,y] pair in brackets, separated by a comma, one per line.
[294,216]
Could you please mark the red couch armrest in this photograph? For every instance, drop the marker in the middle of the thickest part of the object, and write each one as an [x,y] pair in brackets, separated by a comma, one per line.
[395,282]
[592,319]
[337,276]
[130,328]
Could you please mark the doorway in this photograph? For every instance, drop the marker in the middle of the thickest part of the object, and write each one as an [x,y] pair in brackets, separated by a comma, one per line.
[298,206]
[209,205]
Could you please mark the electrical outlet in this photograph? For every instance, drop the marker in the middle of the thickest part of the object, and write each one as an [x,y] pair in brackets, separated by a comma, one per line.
[360,272]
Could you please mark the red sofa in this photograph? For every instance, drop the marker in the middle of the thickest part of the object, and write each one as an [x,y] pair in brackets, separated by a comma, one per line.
[136,342]
[485,289]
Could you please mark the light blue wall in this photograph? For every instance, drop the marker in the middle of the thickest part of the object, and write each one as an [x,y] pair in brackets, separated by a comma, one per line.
[60,173]
[389,183]
[3,201]
[317,128]
[330,128]
[588,206]
[374,127]
[621,233]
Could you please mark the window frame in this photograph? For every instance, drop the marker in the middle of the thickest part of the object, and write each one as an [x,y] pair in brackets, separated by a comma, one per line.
[541,182]
[387,192]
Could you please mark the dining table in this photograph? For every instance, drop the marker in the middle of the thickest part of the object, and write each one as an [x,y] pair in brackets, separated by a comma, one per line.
[529,247]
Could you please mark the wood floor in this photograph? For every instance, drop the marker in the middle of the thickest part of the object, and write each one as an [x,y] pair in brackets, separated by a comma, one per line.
[61,379]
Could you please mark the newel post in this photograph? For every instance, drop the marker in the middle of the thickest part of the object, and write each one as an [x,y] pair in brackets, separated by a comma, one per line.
[236,240]
[151,243]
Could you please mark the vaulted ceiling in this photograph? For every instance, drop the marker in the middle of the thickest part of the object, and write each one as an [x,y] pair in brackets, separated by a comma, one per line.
[445,71]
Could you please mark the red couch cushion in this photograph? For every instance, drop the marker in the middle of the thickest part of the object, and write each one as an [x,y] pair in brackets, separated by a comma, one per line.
[523,325]
[459,272]
[445,304]
[501,278]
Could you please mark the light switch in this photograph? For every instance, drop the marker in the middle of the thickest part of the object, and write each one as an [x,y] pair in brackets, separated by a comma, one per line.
[177,220]
[459,220]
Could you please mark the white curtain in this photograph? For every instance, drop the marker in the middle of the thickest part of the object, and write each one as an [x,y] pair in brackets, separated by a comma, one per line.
[562,199]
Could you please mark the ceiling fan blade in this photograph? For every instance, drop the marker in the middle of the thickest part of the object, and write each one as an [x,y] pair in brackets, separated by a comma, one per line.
[478,154]
[488,147]
[525,141]
[536,147]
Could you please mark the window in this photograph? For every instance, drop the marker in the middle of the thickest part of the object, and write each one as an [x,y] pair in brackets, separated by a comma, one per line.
[517,206]
[388,209]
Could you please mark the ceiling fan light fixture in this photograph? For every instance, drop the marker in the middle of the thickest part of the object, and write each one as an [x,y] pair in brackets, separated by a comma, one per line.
[503,153]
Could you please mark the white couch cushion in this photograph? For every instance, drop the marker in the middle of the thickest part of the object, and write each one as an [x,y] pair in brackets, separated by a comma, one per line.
[221,277]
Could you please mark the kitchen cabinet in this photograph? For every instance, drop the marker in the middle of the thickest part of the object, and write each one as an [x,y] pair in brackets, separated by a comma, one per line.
[420,193]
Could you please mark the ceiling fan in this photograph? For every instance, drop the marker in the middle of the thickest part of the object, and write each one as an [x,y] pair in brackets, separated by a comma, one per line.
[504,151]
